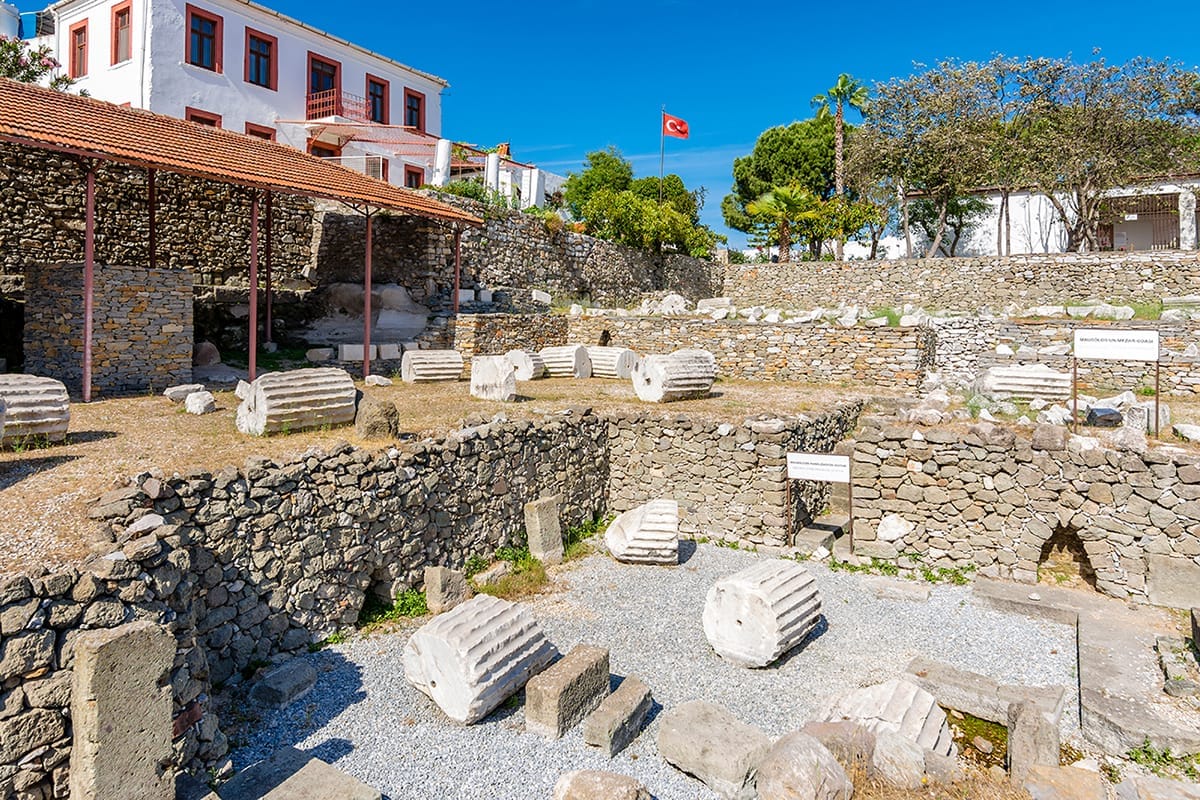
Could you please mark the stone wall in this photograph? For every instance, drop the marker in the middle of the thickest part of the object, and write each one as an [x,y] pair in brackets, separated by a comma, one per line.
[991,499]
[967,284]
[496,334]
[142,328]
[888,357]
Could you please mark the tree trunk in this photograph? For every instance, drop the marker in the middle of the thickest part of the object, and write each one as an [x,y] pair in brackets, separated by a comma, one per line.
[839,167]
[785,243]
[1000,222]
[1007,227]
[941,229]
[875,234]
[907,228]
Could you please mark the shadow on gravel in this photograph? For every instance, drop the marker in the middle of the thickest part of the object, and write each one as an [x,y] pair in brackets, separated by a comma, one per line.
[87,437]
[14,472]
[821,628]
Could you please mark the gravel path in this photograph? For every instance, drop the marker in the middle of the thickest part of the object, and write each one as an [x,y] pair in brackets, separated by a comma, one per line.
[365,717]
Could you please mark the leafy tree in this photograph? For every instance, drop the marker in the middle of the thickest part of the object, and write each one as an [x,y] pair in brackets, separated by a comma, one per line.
[20,63]
[605,169]
[782,209]
[963,215]
[674,194]
[846,92]
[799,155]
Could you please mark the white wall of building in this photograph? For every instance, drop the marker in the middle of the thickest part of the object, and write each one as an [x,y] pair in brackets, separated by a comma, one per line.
[126,82]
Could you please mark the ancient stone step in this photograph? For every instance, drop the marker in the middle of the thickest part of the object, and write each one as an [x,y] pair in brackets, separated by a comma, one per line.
[648,534]
[570,361]
[428,366]
[612,362]
[822,532]
[34,406]
[897,706]
[560,696]
[296,400]
[528,363]
[682,375]
[493,378]
[753,617]
[472,658]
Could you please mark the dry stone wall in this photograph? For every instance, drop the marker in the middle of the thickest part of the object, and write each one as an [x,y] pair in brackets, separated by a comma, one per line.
[142,331]
[967,284]
[990,499]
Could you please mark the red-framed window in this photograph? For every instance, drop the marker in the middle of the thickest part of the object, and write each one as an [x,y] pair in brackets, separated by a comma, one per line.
[122,32]
[414,177]
[323,149]
[414,109]
[78,61]
[205,41]
[260,131]
[262,59]
[324,74]
[202,117]
[379,100]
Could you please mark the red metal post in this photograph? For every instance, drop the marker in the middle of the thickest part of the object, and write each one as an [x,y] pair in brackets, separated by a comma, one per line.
[89,266]
[254,286]
[367,303]
[267,264]
[457,265]
[151,205]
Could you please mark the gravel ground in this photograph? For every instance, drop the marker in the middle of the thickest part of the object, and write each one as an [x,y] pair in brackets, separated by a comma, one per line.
[365,717]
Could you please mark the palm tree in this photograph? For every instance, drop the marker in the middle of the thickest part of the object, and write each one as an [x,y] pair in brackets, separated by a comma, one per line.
[846,92]
[783,207]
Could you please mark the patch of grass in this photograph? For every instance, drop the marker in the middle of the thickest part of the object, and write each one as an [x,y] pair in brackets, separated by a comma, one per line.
[34,441]
[728,544]
[892,314]
[1110,771]
[1151,309]
[1068,754]
[1145,391]
[1164,762]
[966,727]
[954,575]
[577,542]
[528,577]
[475,565]
[376,612]
[875,567]
[337,638]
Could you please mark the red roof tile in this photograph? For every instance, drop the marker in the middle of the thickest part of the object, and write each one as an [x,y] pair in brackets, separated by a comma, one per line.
[53,120]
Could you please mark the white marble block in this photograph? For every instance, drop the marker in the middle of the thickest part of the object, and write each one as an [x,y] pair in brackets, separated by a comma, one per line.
[896,706]
[570,361]
[753,617]
[427,366]
[528,363]
[35,406]
[493,378]
[297,399]
[472,658]
[390,352]
[648,534]
[612,362]
[682,375]
[353,352]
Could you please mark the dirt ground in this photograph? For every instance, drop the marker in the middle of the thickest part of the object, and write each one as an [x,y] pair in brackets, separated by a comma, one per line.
[45,492]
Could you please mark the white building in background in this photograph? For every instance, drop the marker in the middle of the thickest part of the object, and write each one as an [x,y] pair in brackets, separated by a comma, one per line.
[238,65]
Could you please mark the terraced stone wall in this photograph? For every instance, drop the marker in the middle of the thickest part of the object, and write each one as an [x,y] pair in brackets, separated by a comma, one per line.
[991,499]
[967,284]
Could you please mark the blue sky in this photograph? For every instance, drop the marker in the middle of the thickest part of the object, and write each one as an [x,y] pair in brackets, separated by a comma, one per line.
[559,79]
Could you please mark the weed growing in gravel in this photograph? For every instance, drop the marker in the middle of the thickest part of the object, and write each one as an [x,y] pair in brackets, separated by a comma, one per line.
[577,541]
[336,638]
[528,575]
[954,575]
[1164,762]
[876,567]
[376,612]
[34,441]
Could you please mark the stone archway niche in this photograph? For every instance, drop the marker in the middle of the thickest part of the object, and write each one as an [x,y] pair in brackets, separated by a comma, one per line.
[1064,561]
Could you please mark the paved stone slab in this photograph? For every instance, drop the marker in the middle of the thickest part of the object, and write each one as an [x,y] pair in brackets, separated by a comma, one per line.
[1146,787]
[177,394]
[445,588]
[543,530]
[1032,741]
[562,695]
[291,774]
[897,589]
[591,784]
[1172,581]
[709,743]
[979,695]
[285,684]
[1064,783]
[618,719]
[121,714]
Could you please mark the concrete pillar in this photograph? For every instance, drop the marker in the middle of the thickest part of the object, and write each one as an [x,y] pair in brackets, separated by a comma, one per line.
[121,714]
[533,188]
[1187,220]
[491,175]
[441,163]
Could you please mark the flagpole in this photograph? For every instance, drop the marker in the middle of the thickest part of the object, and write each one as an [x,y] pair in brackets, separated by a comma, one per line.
[662,151]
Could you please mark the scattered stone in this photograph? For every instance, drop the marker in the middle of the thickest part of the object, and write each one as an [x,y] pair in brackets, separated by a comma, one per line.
[1177,664]
[200,403]
[376,418]
[980,695]
[618,719]
[355,352]
[1051,438]
[121,713]
[1024,381]
[34,407]
[798,767]
[444,589]
[571,361]
[493,378]
[898,760]
[590,784]
[1032,740]
[648,534]
[318,355]
[560,697]
[377,380]
[709,743]
[285,684]
[753,617]
[296,400]
[177,394]
[471,659]
[1149,787]
[528,364]
[205,354]
[943,769]
[543,530]
[897,706]
[1099,417]
[850,743]
[1046,782]
[291,774]
[430,366]
[682,375]
[387,352]
[612,362]
[982,745]
[1189,433]
[538,296]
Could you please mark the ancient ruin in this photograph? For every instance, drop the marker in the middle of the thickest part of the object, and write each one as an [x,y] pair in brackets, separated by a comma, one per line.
[757,615]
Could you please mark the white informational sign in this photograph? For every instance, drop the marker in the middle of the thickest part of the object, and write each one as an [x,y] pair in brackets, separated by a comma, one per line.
[818,467]
[1114,344]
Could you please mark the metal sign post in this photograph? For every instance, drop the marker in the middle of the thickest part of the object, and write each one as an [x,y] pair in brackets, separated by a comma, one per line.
[820,467]
[1115,344]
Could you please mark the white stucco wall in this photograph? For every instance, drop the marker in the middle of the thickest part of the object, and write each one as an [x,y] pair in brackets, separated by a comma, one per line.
[127,82]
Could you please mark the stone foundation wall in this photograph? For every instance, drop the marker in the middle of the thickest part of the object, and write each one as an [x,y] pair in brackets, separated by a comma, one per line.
[496,334]
[990,499]
[967,284]
[142,329]
[890,357]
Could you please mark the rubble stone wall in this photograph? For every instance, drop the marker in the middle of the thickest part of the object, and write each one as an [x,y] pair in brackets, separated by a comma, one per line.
[967,284]
[142,330]
[989,499]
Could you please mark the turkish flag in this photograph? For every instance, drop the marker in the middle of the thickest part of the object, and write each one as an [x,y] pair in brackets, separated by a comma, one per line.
[674,126]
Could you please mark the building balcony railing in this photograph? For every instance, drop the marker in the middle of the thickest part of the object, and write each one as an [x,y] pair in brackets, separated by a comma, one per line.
[336,103]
